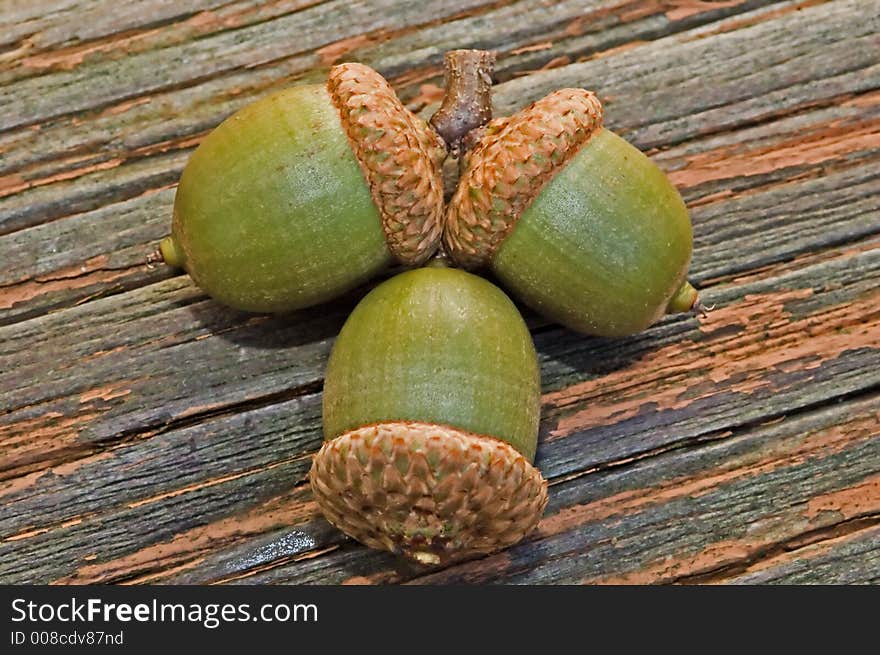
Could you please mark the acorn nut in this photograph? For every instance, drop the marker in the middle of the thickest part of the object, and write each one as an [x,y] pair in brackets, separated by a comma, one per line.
[307,193]
[431,408]
[572,219]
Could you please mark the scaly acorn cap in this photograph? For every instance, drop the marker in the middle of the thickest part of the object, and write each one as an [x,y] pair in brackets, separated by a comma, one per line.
[430,492]
[400,156]
[511,164]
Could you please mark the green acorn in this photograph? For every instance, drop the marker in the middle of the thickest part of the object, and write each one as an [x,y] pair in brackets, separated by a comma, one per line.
[431,408]
[575,221]
[307,193]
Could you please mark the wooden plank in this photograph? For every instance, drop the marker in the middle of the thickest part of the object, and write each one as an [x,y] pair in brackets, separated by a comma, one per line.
[792,148]
[714,509]
[72,261]
[94,144]
[62,34]
[57,265]
[126,366]
[222,480]
[149,435]
[710,382]
[191,110]
[137,335]
[848,559]
[126,349]
[99,83]
[762,70]
[342,28]
[690,515]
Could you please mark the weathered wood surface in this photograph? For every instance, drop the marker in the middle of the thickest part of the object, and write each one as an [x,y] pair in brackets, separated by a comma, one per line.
[149,435]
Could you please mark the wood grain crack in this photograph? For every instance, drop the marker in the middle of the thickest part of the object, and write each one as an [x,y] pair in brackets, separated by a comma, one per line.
[787,548]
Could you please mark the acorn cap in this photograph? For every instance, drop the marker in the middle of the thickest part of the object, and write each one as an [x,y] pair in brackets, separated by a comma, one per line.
[432,493]
[512,163]
[400,157]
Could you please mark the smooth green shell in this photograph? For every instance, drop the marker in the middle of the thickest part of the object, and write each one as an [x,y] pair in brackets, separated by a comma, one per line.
[604,246]
[273,212]
[436,345]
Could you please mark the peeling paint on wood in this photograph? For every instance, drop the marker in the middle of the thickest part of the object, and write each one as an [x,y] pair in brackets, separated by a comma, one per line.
[148,435]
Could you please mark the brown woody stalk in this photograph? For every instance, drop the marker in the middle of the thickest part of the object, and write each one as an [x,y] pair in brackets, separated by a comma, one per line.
[467,103]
